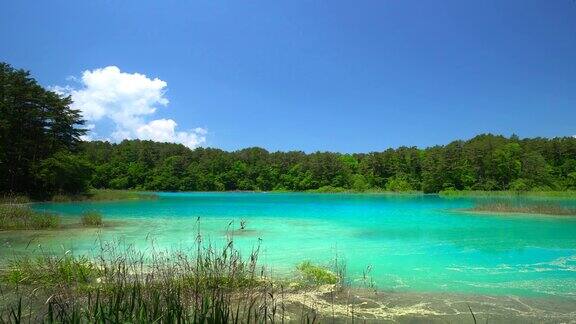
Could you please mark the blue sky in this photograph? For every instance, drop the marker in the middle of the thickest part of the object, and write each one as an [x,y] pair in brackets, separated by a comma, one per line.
[305,75]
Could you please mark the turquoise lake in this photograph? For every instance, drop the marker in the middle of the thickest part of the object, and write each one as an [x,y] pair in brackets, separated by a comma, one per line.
[422,243]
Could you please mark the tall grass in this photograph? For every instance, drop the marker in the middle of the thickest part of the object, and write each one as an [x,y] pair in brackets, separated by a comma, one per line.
[106,195]
[204,284]
[10,198]
[526,208]
[91,218]
[21,217]
[531,194]
[47,271]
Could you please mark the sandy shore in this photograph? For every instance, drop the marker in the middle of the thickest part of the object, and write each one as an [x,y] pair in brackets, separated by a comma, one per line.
[343,306]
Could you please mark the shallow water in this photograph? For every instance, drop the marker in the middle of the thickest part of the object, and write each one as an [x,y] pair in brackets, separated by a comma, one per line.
[412,243]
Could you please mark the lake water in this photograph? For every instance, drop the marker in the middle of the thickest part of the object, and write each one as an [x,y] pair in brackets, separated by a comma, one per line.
[412,243]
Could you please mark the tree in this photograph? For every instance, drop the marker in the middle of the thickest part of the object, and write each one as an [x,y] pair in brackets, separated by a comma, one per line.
[35,124]
[398,183]
[506,164]
[535,170]
[486,162]
[63,172]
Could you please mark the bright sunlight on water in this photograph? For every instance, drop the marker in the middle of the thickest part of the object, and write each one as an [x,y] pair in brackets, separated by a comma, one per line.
[422,243]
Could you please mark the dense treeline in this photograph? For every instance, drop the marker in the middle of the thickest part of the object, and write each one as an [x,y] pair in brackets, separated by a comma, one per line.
[39,137]
[486,162]
[41,155]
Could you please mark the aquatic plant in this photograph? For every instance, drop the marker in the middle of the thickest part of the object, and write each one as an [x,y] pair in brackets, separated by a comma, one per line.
[317,274]
[506,193]
[105,195]
[92,218]
[203,284]
[20,217]
[545,208]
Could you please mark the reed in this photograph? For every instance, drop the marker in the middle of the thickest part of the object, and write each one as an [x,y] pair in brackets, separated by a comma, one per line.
[532,194]
[524,208]
[22,217]
[203,284]
[92,219]
[106,195]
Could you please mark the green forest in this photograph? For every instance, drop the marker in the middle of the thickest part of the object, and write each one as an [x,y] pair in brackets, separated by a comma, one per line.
[486,162]
[42,154]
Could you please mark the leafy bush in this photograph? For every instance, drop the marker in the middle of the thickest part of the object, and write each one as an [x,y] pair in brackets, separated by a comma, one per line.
[359,183]
[571,180]
[62,198]
[328,189]
[398,184]
[519,185]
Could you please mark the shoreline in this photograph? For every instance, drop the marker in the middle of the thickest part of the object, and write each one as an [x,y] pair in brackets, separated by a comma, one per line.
[436,307]
[110,195]
[505,214]
[340,304]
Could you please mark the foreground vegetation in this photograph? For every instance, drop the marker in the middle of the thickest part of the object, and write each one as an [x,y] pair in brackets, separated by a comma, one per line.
[524,208]
[202,285]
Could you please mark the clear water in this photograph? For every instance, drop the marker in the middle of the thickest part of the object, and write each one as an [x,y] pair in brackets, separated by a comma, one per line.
[416,243]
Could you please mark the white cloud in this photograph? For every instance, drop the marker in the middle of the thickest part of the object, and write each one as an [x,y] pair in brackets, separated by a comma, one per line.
[164,130]
[128,100]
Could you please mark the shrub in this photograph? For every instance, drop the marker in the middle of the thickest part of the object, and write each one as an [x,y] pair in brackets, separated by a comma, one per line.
[329,189]
[520,185]
[359,183]
[62,198]
[571,180]
[398,184]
